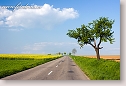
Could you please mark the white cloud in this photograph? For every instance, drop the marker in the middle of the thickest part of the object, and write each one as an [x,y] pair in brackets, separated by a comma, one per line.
[1,22]
[48,45]
[55,44]
[15,29]
[46,17]
[4,13]
[54,47]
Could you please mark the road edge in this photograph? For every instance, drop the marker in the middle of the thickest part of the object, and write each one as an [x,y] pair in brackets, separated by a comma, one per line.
[80,68]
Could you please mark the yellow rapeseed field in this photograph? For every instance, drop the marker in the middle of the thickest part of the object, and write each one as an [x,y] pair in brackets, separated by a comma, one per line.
[30,56]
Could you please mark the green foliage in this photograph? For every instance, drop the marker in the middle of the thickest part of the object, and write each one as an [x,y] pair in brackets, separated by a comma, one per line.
[98,69]
[64,53]
[98,29]
[69,53]
[102,28]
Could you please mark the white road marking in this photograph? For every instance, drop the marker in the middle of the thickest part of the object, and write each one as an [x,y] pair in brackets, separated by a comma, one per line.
[50,72]
[56,65]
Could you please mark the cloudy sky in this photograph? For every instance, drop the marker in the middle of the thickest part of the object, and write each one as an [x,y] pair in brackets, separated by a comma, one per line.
[43,30]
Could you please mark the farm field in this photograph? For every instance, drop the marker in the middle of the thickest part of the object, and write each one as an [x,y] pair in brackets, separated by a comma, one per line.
[13,63]
[109,57]
[26,56]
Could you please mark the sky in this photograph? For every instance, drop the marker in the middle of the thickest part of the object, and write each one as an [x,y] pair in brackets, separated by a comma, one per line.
[43,30]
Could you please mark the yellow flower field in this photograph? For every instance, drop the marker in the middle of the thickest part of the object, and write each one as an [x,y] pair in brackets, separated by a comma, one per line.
[28,56]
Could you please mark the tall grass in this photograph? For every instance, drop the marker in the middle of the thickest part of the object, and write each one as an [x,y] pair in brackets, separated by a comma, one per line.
[98,69]
[14,63]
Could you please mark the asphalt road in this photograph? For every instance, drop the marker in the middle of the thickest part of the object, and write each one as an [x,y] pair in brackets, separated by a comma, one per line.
[61,69]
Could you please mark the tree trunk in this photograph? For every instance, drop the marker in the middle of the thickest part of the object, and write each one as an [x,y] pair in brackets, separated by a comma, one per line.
[97,53]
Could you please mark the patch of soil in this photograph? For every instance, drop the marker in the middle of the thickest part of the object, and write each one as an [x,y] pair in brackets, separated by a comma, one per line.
[109,57]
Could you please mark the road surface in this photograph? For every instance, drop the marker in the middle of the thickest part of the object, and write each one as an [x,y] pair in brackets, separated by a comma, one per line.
[60,69]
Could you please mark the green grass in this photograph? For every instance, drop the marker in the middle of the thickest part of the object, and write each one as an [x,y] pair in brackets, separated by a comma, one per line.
[11,66]
[98,69]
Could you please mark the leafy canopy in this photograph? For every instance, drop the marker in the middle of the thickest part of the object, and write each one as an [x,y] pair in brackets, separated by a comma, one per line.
[74,51]
[98,29]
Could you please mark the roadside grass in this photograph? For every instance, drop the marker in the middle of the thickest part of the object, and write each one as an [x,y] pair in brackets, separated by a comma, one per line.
[9,66]
[98,69]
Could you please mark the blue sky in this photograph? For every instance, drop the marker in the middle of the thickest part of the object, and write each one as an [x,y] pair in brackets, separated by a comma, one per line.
[44,30]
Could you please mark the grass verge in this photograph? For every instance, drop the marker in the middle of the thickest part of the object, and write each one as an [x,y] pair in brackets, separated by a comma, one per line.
[98,69]
[12,66]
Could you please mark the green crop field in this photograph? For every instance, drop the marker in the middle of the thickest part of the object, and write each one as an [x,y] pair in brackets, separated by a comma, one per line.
[13,63]
[98,69]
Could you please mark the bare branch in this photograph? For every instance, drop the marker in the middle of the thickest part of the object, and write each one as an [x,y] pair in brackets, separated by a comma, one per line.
[100,47]
[92,45]
[94,42]
[99,42]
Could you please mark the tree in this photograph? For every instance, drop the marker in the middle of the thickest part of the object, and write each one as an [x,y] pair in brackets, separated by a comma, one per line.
[64,53]
[69,53]
[59,53]
[74,51]
[99,30]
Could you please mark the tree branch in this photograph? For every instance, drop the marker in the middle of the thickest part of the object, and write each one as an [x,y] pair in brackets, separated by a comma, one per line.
[92,45]
[94,42]
[99,42]
[100,47]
